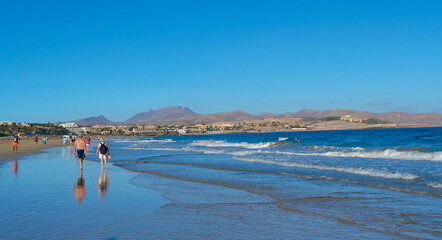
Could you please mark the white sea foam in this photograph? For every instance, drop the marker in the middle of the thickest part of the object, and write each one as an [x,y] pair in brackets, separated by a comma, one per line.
[153,149]
[213,151]
[386,154]
[189,149]
[280,139]
[212,143]
[145,141]
[358,171]
[322,147]
[327,148]
[389,154]
[435,185]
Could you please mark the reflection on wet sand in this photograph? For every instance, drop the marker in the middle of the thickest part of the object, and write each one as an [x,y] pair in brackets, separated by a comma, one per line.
[14,167]
[79,188]
[103,183]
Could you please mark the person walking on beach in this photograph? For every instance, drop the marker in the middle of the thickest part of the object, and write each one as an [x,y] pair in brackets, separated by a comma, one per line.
[15,144]
[36,139]
[80,148]
[88,142]
[45,139]
[102,151]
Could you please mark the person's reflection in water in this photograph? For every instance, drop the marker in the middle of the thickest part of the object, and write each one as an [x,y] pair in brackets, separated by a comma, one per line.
[14,167]
[79,188]
[103,183]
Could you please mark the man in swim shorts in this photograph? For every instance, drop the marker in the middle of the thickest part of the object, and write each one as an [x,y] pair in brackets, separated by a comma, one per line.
[80,148]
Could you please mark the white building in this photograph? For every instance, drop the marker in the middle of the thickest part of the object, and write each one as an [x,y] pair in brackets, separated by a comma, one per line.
[73,128]
[69,125]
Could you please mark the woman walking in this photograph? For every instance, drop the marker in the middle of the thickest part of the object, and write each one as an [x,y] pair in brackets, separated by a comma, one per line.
[102,152]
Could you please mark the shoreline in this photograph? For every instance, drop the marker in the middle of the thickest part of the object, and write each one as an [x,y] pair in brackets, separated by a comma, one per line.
[26,147]
[49,182]
[256,132]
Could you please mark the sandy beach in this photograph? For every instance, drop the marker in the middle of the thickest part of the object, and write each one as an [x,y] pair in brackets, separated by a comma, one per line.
[26,146]
[47,186]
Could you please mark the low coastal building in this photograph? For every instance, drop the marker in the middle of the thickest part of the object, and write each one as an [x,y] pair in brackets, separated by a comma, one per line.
[6,123]
[24,124]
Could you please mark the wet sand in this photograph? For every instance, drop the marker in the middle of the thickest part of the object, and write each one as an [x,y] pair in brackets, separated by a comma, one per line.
[26,146]
[45,186]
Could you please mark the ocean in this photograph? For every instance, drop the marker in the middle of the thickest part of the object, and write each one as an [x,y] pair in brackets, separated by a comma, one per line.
[352,184]
[381,182]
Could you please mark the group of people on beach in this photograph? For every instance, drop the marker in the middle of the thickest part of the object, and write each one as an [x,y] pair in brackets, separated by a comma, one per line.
[81,145]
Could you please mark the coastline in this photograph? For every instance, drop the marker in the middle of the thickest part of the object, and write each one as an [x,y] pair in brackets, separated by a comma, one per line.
[26,147]
[374,127]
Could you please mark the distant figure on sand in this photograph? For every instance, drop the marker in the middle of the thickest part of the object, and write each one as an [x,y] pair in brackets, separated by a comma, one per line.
[80,148]
[79,188]
[15,144]
[45,139]
[102,152]
[72,138]
[103,183]
[88,142]
[36,139]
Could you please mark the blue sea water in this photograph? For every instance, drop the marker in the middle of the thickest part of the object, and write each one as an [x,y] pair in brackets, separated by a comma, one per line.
[354,184]
[379,182]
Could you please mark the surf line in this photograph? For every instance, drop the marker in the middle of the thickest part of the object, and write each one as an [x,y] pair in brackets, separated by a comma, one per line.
[278,201]
[393,189]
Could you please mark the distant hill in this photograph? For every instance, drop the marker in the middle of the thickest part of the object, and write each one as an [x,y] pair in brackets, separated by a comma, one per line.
[176,115]
[394,117]
[99,120]
[209,118]
[173,112]
[307,113]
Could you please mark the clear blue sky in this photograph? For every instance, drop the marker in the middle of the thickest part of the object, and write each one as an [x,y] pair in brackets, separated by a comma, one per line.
[65,60]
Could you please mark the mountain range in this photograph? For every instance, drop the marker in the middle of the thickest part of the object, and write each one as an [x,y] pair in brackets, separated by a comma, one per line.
[177,115]
[102,120]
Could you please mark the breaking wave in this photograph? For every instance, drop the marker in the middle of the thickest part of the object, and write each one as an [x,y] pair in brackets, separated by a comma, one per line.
[358,171]
[387,154]
[384,154]
[212,143]
[435,185]
[145,141]
[153,149]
